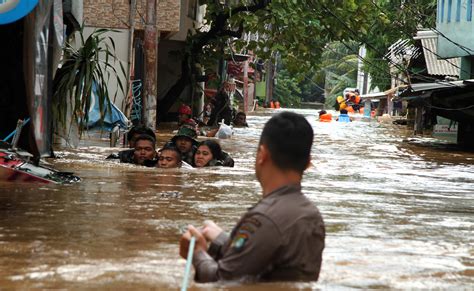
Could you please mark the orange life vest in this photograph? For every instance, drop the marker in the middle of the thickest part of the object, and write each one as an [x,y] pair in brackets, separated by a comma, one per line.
[327,117]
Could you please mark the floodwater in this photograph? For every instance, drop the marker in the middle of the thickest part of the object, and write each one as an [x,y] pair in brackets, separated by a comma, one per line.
[399,214]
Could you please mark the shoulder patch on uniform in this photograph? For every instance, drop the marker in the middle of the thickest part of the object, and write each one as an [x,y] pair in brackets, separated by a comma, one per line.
[239,240]
[253,221]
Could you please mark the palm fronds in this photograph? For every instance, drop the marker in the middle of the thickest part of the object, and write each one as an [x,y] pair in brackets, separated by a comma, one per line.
[87,68]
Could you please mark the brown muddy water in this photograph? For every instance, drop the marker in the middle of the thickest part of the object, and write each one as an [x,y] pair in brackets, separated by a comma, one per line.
[399,214]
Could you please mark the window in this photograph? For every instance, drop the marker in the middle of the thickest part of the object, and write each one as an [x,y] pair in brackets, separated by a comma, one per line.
[441,19]
[458,11]
[469,10]
[450,4]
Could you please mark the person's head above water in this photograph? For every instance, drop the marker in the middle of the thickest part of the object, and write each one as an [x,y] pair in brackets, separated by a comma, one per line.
[322,112]
[207,151]
[240,119]
[185,139]
[284,151]
[136,131]
[170,157]
[144,149]
[343,111]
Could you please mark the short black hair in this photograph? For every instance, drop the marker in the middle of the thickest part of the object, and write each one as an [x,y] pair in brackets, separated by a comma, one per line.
[215,148]
[140,129]
[170,147]
[343,111]
[240,113]
[322,112]
[289,138]
[145,137]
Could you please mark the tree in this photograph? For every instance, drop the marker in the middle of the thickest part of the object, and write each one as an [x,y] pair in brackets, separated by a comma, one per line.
[339,68]
[297,30]
[287,91]
[397,20]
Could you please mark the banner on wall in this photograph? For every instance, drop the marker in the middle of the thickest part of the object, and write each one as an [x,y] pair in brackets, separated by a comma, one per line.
[13,10]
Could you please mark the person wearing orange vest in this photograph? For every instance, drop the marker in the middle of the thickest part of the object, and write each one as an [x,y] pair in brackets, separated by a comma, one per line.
[353,99]
[341,103]
[324,116]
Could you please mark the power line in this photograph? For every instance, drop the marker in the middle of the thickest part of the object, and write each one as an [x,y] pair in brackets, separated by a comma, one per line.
[362,41]
[428,49]
[375,49]
[469,51]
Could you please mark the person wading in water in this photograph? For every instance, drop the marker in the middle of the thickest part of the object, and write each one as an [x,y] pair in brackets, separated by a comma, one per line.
[282,237]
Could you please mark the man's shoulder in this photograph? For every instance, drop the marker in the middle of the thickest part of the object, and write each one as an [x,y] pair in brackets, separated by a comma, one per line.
[126,156]
[286,210]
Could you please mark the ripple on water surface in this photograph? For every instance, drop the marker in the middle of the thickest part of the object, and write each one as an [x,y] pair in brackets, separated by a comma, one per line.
[399,213]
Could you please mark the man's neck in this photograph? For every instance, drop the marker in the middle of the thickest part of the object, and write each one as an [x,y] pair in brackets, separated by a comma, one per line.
[278,180]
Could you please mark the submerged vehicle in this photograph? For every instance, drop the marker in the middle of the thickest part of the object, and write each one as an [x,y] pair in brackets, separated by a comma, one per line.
[17,165]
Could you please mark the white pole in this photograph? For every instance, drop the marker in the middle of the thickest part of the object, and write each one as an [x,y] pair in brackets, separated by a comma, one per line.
[189,261]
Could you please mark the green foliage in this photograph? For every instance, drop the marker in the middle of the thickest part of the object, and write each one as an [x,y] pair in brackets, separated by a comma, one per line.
[298,32]
[287,91]
[92,63]
[339,67]
[398,21]
[295,30]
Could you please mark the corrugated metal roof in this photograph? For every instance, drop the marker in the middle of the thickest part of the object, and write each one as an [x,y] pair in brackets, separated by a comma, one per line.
[418,89]
[435,66]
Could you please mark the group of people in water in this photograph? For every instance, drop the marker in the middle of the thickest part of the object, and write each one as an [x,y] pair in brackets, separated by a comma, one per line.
[350,103]
[325,116]
[183,150]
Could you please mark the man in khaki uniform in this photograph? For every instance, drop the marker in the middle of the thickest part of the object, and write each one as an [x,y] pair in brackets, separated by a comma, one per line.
[282,237]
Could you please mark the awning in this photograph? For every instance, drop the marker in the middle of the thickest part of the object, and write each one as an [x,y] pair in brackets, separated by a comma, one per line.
[435,66]
[385,94]
[378,95]
[419,89]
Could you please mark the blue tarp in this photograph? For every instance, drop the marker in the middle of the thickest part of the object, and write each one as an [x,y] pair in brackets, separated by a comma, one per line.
[111,118]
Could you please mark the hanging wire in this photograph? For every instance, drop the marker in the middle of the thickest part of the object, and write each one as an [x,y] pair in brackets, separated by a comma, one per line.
[426,48]
[375,49]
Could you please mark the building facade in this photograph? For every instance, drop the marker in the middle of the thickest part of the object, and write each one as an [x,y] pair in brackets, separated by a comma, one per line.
[455,24]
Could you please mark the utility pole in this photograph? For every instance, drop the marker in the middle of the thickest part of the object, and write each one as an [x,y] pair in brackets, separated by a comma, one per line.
[128,106]
[246,86]
[150,88]
[269,81]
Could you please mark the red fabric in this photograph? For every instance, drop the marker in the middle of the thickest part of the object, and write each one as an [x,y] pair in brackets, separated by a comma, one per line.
[185,109]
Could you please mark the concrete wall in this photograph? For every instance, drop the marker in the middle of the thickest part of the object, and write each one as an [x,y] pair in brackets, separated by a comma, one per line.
[460,30]
[116,14]
[121,43]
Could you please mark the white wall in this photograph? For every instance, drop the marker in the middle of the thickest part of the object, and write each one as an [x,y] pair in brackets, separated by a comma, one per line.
[121,39]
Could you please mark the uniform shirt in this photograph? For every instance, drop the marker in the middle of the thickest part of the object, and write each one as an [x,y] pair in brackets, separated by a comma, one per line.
[279,239]
[189,156]
[125,156]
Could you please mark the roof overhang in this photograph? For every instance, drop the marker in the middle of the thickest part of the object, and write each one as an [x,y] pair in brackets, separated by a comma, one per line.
[371,96]
[420,89]
[384,94]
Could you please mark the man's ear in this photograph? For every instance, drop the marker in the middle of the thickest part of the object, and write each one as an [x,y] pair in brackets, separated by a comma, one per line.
[262,154]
